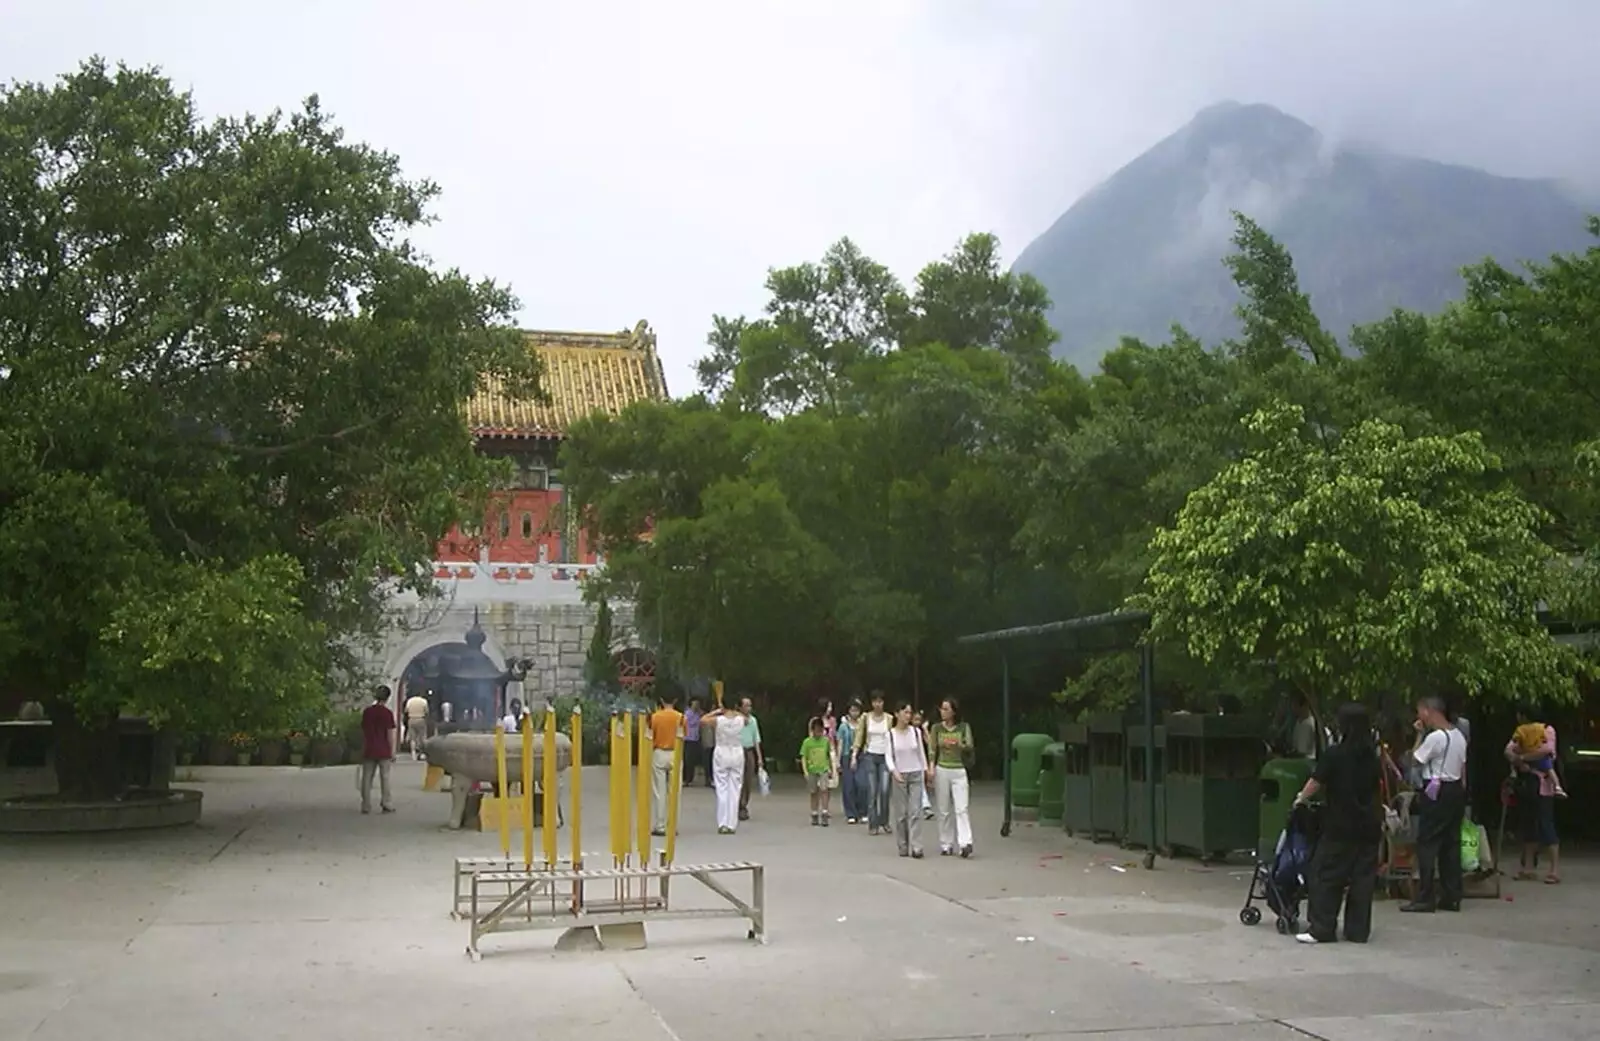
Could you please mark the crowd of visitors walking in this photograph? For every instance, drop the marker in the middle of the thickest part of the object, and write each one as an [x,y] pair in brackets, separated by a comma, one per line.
[892,772]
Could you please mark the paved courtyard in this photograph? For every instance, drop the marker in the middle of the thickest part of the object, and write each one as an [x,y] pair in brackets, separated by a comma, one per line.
[286,914]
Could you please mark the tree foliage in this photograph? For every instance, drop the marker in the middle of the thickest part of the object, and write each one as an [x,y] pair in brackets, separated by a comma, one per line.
[871,470]
[230,400]
[1382,562]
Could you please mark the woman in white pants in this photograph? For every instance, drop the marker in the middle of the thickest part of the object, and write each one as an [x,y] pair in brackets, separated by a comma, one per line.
[951,743]
[727,765]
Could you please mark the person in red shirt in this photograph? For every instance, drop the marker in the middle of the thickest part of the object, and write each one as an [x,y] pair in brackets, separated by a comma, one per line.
[377,750]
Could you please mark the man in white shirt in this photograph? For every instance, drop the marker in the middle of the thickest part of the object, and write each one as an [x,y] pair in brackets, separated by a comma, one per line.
[1441,753]
[416,723]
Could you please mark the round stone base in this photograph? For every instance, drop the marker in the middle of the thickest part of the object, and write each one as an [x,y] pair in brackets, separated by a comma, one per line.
[139,809]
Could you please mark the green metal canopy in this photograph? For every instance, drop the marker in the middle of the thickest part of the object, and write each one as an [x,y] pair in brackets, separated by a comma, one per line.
[1106,620]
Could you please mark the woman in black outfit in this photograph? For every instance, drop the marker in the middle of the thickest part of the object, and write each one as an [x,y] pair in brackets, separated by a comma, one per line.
[1345,867]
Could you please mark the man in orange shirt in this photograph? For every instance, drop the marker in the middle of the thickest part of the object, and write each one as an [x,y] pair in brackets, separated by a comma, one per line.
[665,723]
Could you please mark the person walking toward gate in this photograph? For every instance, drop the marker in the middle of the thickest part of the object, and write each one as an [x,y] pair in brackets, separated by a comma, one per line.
[416,724]
[691,741]
[951,739]
[377,750]
[1345,866]
[665,722]
[708,746]
[754,761]
[1441,752]
[908,765]
[727,764]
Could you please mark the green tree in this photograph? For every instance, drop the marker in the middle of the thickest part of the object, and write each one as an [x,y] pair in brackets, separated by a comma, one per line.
[850,501]
[600,667]
[230,405]
[1383,562]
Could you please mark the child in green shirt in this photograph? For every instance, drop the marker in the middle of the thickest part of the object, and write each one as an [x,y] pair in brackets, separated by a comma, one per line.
[816,759]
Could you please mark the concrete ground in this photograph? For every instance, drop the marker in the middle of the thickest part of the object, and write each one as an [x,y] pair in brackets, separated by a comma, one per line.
[286,914]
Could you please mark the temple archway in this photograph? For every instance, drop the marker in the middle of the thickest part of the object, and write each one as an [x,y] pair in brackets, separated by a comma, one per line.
[468,675]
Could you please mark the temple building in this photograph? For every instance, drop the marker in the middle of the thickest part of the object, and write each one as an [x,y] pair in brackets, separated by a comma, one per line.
[513,588]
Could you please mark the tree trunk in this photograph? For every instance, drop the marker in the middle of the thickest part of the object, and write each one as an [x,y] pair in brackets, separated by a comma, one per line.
[88,765]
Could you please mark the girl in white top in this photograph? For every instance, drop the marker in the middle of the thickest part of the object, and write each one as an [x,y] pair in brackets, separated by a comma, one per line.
[727,765]
[908,765]
[871,757]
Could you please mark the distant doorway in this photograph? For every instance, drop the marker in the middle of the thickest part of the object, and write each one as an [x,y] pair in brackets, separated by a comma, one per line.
[636,671]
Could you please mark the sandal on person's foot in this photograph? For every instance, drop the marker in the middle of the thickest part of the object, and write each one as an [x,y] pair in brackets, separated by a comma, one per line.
[1552,880]
[1525,876]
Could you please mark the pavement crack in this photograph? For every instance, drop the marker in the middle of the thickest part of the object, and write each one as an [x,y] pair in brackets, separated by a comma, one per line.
[655,1013]
[933,893]
[224,847]
[1302,1031]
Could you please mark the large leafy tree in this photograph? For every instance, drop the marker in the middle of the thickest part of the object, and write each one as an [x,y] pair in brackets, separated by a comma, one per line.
[1380,562]
[230,400]
[848,500]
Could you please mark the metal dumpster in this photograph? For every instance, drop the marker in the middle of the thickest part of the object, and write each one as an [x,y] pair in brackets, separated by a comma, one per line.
[1108,759]
[1213,783]
[1077,790]
[1139,786]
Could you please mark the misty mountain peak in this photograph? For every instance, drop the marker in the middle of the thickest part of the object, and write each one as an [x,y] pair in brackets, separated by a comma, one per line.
[1369,231]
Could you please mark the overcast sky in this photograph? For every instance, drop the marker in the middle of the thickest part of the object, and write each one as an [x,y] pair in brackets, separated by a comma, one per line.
[651,159]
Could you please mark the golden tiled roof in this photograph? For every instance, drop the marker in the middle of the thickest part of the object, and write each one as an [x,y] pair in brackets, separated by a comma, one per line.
[584,373]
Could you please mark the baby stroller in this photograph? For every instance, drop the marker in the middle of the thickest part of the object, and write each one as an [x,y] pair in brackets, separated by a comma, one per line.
[1280,880]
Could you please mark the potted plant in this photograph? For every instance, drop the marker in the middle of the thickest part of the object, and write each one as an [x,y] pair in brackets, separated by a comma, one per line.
[299,747]
[188,746]
[327,745]
[355,742]
[218,752]
[244,747]
[274,749]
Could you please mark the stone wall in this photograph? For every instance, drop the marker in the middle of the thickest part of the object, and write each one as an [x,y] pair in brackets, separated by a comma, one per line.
[555,636]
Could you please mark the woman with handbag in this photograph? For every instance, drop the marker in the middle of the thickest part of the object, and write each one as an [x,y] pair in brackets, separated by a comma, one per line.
[952,751]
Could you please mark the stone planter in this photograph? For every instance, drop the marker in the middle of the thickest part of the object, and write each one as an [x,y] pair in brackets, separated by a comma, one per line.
[137,809]
[218,753]
[328,753]
[242,758]
[274,753]
[297,758]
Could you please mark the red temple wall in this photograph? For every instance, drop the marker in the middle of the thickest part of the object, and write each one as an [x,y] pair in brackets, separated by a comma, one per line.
[543,512]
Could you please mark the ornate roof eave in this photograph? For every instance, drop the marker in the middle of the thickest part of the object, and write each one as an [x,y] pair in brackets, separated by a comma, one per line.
[584,374]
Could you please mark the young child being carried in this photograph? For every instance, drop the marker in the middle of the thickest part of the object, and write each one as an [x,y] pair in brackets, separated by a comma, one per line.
[816,759]
[1530,738]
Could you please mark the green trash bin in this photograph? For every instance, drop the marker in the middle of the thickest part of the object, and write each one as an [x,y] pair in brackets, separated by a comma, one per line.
[1027,758]
[1281,780]
[1052,778]
[1077,790]
[1108,763]
[1139,786]
[1213,783]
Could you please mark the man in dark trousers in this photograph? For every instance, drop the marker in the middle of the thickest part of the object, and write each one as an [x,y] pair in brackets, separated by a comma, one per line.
[377,750]
[750,737]
[1441,752]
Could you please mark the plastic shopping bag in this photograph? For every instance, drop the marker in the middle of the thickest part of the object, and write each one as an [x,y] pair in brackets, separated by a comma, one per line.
[763,782]
[1470,859]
